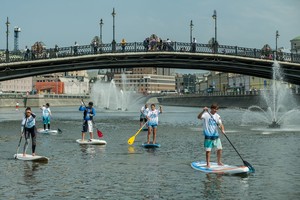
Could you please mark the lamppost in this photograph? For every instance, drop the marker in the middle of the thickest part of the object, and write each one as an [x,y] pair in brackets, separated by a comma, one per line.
[7,32]
[191,31]
[214,16]
[114,41]
[101,24]
[277,36]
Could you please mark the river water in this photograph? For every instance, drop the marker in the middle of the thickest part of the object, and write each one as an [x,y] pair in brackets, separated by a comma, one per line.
[120,171]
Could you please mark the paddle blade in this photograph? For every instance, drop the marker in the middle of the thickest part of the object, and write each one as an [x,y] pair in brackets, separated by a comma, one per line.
[251,169]
[131,140]
[100,134]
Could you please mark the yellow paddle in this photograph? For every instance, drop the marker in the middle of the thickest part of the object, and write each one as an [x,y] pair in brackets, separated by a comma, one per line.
[131,140]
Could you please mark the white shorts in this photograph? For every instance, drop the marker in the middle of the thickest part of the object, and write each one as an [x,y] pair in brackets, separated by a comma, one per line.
[87,126]
[90,126]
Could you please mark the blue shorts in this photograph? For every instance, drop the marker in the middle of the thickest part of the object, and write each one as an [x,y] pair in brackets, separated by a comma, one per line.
[46,120]
[152,125]
[209,144]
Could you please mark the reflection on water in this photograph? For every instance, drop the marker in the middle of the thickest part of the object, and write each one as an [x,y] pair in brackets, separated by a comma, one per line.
[213,186]
[29,178]
[131,149]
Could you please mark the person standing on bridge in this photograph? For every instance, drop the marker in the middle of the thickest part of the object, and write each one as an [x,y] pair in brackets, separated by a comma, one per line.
[56,49]
[152,118]
[123,44]
[194,43]
[27,52]
[95,46]
[211,124]
[75,49]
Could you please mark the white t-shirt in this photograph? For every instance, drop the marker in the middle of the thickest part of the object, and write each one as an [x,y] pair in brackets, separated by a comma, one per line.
[144,112]
[153,117]
[46,111]
[210,128]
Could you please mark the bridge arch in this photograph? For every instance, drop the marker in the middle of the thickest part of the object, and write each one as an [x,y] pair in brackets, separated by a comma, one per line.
[178,60]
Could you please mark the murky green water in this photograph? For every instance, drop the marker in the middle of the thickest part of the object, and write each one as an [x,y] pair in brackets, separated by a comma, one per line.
[119,171]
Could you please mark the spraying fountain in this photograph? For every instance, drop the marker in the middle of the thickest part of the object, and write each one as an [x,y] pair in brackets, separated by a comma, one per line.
[281,105]
[110,97]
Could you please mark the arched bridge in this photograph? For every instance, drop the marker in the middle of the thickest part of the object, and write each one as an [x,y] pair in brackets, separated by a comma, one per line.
[231,59]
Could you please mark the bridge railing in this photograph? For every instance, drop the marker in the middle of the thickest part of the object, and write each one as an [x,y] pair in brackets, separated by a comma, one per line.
[152,47]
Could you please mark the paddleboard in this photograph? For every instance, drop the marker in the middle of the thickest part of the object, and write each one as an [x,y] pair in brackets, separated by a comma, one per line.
[147,146]
[29,157]
[48,131]
[92,142]
[219,169]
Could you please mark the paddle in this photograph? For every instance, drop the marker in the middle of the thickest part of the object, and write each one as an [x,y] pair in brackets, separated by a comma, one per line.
[99,133]
[21,139]
[245,162]
[131,140]
[19,146]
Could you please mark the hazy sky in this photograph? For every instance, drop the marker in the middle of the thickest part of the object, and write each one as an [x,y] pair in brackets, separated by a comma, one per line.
[246,23]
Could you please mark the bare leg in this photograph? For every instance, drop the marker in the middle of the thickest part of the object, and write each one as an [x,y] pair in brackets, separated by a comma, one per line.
[219,156]
[154,135]
[207,159]
[148,136]
[82,136]
[91,135]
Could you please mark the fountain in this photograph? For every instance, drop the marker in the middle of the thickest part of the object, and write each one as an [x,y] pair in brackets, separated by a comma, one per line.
[108,96]
[281,105]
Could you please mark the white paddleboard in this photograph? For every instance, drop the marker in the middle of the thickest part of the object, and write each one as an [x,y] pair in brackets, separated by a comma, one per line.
[29,157]
[219,169]
[92,142]
[48,131]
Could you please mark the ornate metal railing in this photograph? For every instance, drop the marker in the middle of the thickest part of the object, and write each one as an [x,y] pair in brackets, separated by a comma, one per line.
[140,47]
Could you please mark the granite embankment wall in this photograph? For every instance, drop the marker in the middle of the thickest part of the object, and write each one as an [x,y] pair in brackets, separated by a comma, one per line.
[235,101]
[39,101]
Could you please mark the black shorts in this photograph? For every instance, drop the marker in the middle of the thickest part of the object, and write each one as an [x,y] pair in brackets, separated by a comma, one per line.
[143,119]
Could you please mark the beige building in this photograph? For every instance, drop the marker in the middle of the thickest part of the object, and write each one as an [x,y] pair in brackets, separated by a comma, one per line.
[145,80]
[17,85]
[295,45]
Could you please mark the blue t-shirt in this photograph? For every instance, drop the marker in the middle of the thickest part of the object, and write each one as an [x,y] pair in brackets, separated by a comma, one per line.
[88,113]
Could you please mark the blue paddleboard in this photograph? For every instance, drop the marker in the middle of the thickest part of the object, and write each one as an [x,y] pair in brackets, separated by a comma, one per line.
[218,169]
[147,146]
